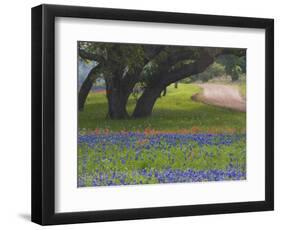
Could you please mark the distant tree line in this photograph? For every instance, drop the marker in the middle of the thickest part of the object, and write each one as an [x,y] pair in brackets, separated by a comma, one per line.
[225,66]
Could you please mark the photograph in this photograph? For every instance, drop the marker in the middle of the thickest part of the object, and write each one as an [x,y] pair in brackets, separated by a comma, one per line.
[141,114]
[158,114]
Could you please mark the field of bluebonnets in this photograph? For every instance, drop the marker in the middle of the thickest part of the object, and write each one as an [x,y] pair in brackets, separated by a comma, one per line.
[183,141]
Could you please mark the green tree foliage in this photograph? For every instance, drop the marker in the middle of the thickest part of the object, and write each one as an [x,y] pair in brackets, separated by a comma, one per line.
[153,67]
[117,57]
[214,70]
[231,65]
[234,66]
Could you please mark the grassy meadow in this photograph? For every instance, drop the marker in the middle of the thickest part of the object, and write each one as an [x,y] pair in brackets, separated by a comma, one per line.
[173,112]
[183,141]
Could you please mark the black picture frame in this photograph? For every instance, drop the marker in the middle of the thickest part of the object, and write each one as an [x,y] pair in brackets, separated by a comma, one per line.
[43,114]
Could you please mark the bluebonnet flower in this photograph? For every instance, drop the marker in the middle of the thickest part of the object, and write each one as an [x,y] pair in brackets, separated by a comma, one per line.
[144,149]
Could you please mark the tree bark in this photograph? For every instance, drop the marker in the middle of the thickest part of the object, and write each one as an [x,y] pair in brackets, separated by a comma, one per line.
[164,92]
[146,102]
[120,88]
[199,66]
[234,76]
[86,87]
[117,105]
[117,96]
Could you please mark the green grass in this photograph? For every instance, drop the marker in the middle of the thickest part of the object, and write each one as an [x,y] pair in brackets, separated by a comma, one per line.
[173,112]
[192,155]
[112,158]
[103,163]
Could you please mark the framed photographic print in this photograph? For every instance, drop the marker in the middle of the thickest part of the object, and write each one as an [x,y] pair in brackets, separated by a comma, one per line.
[141,114]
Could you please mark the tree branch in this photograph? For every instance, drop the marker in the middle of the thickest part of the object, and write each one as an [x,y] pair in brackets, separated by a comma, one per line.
[233,51]
[189,69]
[205,60]
[90,56]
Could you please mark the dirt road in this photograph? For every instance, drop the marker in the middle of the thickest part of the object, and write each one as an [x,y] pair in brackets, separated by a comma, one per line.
[221,95]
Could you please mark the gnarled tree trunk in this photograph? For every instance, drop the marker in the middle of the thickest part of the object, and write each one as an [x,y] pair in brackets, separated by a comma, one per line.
[117,105]
[117,96]
[86,87]
[146,102]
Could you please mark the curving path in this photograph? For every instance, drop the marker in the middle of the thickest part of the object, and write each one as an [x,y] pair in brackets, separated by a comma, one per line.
[221,95]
